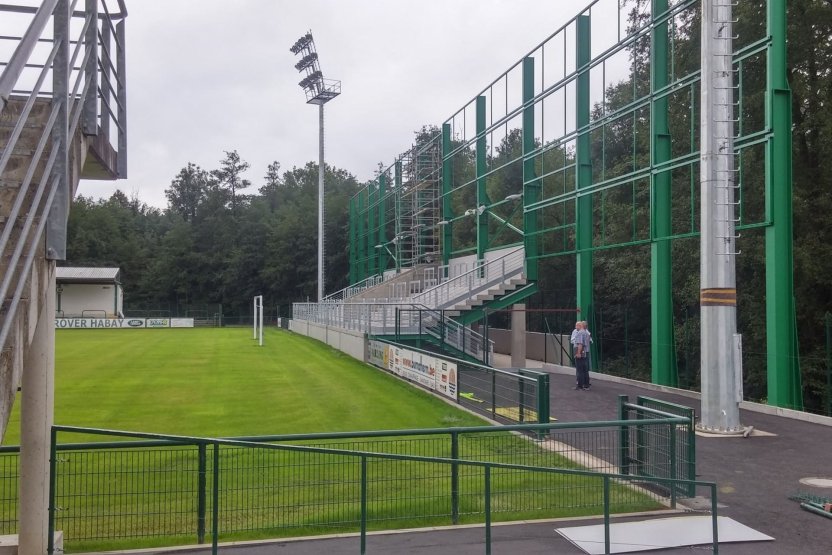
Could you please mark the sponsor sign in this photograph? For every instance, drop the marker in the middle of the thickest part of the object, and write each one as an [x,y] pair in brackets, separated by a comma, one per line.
[97,323]
[431,372]
[181,322]
[157,323]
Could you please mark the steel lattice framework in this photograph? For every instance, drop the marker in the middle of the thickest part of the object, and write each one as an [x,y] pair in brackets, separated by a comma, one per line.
[567,154]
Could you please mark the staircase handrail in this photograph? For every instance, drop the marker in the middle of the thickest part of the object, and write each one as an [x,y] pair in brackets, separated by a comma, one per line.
[55,177]
[338,314]
[506,266]
[354,289]
[23,52]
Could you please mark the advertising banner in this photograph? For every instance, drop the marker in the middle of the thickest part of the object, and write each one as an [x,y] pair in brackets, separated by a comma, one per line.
[429,371]
[99,323]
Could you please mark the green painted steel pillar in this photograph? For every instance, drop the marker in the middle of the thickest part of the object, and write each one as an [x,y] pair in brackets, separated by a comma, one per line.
[397,177]
[372,251]
[361,237]
[482,193]
[784,382]
[583,174]
[531,182]
[661,306]
[447,185]
[353,253]
[383,255]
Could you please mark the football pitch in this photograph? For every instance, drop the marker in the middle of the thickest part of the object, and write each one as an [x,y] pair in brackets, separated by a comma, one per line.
[217,382]
[220,383]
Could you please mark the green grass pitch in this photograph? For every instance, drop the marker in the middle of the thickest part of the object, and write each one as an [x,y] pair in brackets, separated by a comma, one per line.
[220,382]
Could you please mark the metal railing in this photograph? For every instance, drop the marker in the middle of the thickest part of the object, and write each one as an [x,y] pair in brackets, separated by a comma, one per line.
[180,489]
[486,275]
[396,318]
[75,56]
[355,289]
[520,397]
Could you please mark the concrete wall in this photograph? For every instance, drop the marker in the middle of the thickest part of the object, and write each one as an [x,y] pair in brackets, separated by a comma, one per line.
[75,298]
[350,342]
[537,344]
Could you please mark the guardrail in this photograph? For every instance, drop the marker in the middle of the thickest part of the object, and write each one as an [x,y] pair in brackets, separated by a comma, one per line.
[484,276]
[395,318]
[505,396]
[190,489]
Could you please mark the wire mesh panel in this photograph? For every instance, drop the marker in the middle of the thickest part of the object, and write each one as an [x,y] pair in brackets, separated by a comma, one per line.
[154,493]
[9,476]
[127,493]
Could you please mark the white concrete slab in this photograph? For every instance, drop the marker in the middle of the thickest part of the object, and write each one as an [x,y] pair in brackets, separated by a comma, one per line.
[662,533]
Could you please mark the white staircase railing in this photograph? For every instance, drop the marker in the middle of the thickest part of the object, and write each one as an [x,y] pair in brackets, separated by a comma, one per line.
[484,276]
[396,319]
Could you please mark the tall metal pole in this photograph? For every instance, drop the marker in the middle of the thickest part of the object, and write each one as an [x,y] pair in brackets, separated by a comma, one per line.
[721,368]
[321,202]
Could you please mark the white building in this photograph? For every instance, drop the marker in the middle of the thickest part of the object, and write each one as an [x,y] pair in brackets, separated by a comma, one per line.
[88,293]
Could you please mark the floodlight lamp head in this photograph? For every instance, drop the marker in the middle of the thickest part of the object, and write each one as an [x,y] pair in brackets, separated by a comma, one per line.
[443,222]
[470,211]
[480,209]
[514,196]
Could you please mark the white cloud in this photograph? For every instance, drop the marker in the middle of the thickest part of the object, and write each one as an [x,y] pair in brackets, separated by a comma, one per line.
[205,76]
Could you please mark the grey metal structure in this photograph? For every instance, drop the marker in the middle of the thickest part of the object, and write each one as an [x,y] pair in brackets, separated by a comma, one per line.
[318,91]
[721,367]
[52,134]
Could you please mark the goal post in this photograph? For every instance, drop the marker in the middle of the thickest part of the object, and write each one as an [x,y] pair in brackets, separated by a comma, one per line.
[257,320]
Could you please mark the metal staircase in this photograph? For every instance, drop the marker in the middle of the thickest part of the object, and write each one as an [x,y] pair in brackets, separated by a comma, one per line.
[62,118]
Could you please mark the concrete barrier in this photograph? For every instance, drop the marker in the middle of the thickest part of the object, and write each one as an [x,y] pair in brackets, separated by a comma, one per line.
[350,342]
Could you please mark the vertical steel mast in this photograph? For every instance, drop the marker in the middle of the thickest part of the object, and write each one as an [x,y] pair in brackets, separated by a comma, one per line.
[318,91]
[721,364]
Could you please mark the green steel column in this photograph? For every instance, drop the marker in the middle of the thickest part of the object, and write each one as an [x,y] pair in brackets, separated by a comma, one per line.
[372,251]
[383,256]
[482,193]
[663,357]
[447,185]
[531,183]
[361,239]
[399,231]
[353,253]
[583,231]
[784,384]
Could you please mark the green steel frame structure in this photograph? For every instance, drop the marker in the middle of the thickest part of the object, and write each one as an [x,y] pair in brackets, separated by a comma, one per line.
[547,155]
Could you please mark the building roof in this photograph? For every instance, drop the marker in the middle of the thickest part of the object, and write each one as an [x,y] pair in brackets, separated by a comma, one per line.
[86,275]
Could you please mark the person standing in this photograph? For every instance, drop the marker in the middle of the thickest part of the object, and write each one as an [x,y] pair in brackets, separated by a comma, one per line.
[582,357]
[585,328]
[573,339]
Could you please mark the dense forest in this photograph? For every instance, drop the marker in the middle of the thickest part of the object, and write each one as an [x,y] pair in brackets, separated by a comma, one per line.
[219,243]
[215,244]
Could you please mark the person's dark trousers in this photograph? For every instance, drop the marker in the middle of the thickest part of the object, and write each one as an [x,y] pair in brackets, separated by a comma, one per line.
[582,370]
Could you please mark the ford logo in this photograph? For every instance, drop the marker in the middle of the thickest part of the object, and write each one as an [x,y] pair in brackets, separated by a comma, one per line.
[135,323]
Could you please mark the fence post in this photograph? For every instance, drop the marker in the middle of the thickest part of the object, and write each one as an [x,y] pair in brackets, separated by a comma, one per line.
[200,504]
[488,510]
[521,398]
[454,478]
[673,485]
[363,504]
[215,509]
[714,521]
[691,433]
[493,393]
[606,514]
[53,483]
[624,436]
[543,403]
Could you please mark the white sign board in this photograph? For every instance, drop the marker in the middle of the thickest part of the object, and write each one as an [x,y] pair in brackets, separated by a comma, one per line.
[429,371]
[99,323]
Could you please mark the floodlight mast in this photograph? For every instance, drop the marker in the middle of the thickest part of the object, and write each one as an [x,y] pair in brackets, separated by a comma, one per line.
[318,91]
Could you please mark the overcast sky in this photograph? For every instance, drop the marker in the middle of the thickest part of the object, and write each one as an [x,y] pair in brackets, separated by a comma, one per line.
[207,76]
